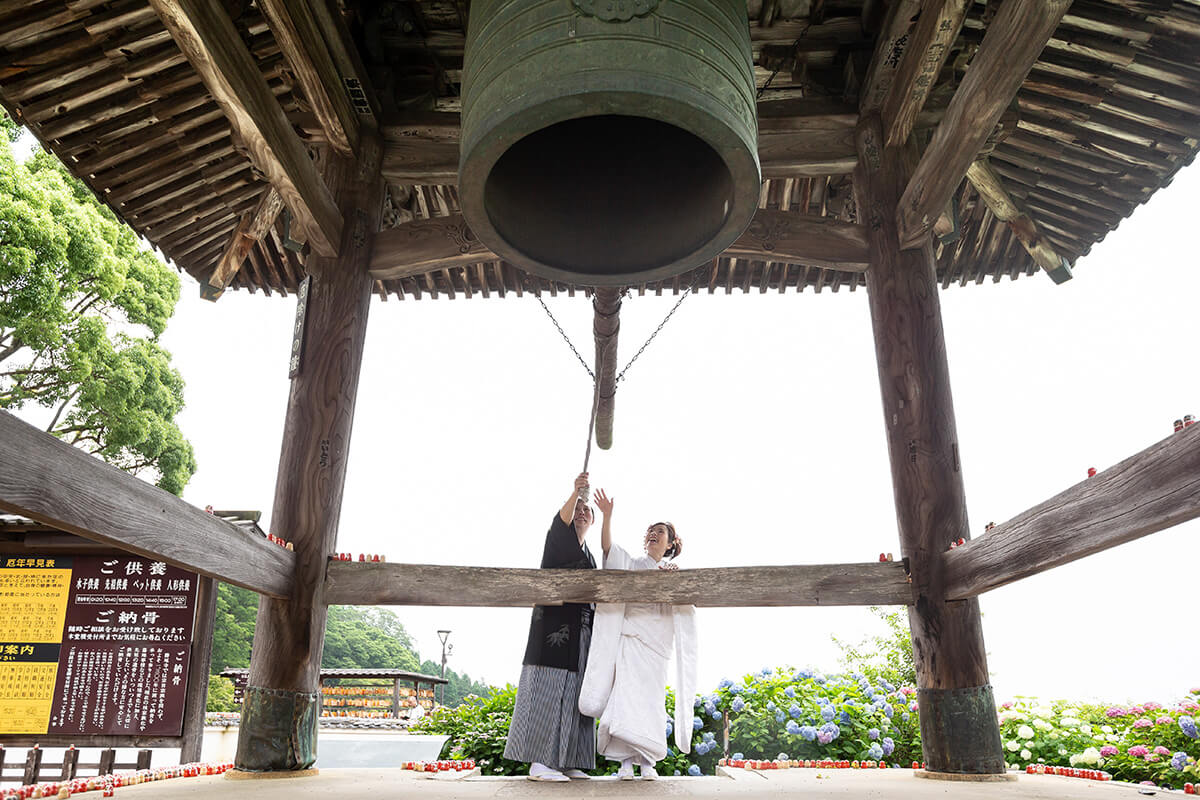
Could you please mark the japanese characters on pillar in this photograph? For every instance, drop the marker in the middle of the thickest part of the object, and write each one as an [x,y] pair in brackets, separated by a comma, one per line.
[94,645]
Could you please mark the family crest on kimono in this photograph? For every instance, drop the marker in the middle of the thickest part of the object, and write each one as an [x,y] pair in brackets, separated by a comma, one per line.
[625,682]
[548,731]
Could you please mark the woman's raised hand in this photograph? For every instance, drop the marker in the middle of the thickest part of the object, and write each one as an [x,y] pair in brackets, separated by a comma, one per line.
[604,502]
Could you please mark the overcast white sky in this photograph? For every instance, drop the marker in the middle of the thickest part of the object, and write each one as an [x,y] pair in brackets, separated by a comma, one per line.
[754,424]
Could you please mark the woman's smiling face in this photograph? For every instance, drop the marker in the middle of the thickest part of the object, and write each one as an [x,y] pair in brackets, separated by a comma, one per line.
[657,541]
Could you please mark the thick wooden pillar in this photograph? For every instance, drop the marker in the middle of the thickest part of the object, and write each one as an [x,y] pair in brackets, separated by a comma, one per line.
[279,712]
[959,731]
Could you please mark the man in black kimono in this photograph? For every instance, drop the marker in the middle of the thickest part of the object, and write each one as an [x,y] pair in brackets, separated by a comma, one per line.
[547,730]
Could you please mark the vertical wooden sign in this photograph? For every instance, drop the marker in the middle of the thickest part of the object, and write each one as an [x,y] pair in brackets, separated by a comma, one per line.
[297,356]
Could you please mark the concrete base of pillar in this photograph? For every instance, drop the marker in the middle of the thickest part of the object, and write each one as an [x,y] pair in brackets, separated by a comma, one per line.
[239,775]
[1002,777]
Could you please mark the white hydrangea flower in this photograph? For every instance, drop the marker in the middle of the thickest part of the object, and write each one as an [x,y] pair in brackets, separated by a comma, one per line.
[1070,722]
[1106,728]
[1085,728]
[1025,754]
[1013,746]
[1025,732]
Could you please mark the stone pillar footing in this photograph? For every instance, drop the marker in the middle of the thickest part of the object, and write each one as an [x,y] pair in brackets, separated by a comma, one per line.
[278,731]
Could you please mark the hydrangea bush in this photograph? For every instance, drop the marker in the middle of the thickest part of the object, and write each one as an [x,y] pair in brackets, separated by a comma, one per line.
[1149,742]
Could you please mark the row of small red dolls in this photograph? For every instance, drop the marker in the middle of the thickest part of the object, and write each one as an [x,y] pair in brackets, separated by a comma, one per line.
[107,783]
[1187,422]
[1068,772]
[440,766]
[361,557]
[273,539]
[818,764]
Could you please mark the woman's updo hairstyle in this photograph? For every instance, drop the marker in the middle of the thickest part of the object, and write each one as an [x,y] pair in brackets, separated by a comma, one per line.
[674,544]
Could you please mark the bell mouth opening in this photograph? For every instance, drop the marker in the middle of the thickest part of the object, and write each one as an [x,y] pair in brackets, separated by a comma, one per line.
[610,195]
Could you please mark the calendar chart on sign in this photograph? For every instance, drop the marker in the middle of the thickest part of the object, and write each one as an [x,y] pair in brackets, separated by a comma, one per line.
[34,593]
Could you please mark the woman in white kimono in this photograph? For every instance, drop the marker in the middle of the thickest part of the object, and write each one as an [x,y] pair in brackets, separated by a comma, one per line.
[626,679]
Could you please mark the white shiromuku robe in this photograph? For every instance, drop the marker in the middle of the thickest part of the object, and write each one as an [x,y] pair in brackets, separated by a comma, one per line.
[625,684]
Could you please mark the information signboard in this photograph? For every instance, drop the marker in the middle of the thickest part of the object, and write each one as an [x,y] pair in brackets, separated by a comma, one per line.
[94,645]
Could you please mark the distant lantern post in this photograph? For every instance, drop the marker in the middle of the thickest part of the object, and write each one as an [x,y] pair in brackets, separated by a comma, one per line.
[446,650]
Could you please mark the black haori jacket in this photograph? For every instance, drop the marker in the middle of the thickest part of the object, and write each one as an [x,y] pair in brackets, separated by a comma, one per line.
[554,630]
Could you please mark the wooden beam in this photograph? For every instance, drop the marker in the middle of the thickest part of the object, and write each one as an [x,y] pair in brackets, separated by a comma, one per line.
[250,230]
[926,51]
[425,245]
[207,36]
[352,583]
[63,487]
[606,325]
[299,36]
[1011,45]
[1006,209]
[1146,493]
[889,53]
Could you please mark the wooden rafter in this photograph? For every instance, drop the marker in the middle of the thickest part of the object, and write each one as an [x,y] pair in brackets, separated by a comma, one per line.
[252,227]
[991,189]
[207,36]
[925,54]
[63,487]
[1011,45]
[299,35]
[425,245]
[801,585]
[1148,492]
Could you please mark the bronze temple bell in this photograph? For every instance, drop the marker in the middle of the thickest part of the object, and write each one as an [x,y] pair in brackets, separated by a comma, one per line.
[608,142]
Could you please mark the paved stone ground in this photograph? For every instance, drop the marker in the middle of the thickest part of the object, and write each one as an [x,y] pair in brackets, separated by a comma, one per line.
[392,784]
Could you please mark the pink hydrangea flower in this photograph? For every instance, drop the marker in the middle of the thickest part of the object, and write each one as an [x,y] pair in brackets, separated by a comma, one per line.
[1152,757]
[1009,704]
[1142,723]
[1108,750]
[1138,750]
[1162,751]
[1188,705]
[1115,711]
[1137,710]
[1164,721]
[1151,706]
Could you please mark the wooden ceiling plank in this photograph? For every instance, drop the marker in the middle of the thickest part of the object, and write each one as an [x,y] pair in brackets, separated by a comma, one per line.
[296,30]
[212,44]
[1010,46]
[924,55]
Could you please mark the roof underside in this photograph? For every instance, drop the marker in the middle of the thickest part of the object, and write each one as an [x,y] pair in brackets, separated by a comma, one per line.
[1109,113]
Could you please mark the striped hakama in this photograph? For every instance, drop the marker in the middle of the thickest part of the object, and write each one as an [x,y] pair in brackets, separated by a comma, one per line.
[546,724]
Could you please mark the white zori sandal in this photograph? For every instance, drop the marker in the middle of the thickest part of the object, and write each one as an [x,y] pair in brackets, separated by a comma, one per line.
[576,774]
[540,772]
[649,773]
[625,773]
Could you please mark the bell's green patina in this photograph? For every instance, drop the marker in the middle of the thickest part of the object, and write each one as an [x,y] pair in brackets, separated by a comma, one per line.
[278,730]
[608,142]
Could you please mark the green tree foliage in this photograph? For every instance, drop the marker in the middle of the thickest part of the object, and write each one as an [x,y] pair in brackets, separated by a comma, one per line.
[367,638]
[81,309]
[233,632]
[888,656]
[220,694]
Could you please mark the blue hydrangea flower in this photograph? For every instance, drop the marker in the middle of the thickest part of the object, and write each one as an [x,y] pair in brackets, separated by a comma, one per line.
[888,711]
[808,732]
[697,723]
[710,708]
[1179,760]
[670,729]
[735,688]
[1188,726]
[766,672]
[709,736]
[715,714]
[738,704]
[771,705]
[889,746]
[887,687]
[794,711]
[701,748]
[802,674]
[904,717]
[827,713]
[793,728]
[779,716]
[819,679]
[875,752]
[737,756]
[725,683]
[697,701]
[782,756]
[833,730]
[873,733]
[676,773]
[751,690]
[694,771]
[790,691]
